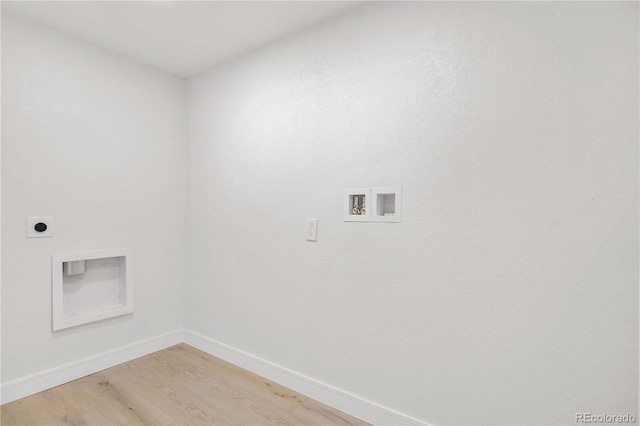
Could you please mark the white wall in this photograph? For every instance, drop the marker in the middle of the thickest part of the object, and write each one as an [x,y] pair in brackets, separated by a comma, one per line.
[509,294]
[97,142]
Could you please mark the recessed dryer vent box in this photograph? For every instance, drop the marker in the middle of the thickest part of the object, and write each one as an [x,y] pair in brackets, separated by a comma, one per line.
[91,286]
[386,204]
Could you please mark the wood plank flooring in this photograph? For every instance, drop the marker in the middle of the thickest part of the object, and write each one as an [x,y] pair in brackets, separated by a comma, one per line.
[179,385]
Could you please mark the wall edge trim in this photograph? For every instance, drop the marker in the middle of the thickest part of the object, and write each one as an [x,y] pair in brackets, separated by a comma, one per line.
[339,399]
[38,382]
[353,405]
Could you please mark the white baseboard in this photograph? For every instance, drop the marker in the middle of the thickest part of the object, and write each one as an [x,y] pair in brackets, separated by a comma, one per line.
[344,401]
[341,400]
[39,382]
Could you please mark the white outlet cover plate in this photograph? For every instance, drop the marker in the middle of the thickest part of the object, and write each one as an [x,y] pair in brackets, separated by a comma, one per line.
[31,223]
[312,229]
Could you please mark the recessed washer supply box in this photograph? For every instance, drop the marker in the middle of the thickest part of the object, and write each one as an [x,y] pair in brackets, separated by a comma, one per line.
[91,286]
[378,204]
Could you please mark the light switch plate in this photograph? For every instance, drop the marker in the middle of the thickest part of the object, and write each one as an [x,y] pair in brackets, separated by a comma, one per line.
[31,227]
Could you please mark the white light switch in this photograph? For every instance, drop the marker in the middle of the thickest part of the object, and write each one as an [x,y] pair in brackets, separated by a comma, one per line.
[312,229]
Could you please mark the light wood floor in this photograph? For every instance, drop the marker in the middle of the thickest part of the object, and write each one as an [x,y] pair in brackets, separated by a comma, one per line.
[176,386]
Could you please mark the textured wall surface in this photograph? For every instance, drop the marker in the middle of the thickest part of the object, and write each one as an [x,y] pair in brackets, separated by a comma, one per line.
[97,142]
[509,294]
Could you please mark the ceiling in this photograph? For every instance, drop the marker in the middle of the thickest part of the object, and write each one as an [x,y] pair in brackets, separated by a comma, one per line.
[181,37]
